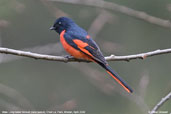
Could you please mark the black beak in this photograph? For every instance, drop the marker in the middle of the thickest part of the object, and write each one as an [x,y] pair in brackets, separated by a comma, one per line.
[52,28]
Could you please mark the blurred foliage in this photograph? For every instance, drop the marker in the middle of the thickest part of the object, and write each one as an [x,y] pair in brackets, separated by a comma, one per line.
[47,84]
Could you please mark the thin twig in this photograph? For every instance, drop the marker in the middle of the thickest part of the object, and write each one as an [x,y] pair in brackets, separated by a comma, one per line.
[122,9]
[55,11]
[159,104]
[99,22]
[12,94]
[64,59]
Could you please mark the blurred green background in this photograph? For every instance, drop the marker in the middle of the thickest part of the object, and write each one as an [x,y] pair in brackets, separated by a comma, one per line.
[29,84]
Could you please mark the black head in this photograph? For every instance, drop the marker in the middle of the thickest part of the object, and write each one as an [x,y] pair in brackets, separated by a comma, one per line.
[62,23]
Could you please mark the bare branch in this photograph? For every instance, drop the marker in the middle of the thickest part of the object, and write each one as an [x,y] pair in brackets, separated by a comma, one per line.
[159,104]
[64,59]
[138,56]
[122,9]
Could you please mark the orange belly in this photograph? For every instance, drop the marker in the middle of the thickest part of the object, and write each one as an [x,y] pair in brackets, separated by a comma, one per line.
[72,51]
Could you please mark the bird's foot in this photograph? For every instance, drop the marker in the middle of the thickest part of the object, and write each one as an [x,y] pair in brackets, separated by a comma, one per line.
[68,56]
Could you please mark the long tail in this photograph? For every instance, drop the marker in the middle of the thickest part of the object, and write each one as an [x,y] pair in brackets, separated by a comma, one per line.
[116,77]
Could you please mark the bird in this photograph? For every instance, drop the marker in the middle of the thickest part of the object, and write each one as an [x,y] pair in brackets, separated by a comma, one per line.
[79,44]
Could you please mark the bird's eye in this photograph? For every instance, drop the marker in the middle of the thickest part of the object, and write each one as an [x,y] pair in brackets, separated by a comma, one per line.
[59,22]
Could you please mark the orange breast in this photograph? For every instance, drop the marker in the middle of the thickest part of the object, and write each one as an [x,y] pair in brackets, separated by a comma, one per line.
[72,51]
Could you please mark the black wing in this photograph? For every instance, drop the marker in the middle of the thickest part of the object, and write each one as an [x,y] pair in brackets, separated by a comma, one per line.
[92,47]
